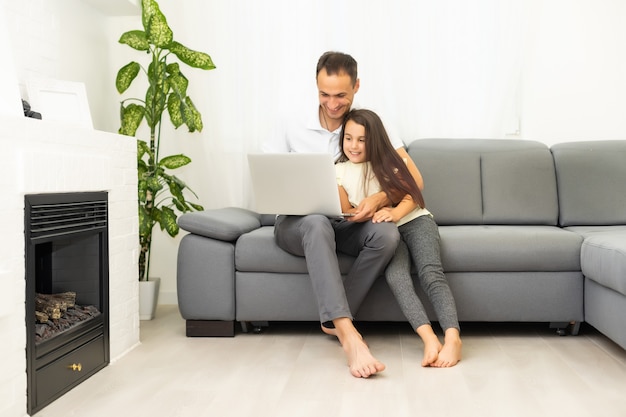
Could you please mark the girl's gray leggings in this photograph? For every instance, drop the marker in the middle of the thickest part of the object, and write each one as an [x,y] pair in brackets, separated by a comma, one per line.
[420,242]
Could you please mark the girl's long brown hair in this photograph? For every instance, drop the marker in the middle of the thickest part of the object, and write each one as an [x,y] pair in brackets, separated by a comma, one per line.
[389,169]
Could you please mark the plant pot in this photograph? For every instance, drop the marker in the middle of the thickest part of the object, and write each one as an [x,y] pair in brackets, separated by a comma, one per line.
[148,298]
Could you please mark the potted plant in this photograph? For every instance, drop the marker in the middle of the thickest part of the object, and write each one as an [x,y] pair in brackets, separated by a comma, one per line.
[162,195]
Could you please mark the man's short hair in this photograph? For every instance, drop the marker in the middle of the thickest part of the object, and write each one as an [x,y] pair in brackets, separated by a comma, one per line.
[337,62]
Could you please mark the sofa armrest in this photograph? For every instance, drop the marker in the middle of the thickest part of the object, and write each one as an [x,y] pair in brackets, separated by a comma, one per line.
[225,224]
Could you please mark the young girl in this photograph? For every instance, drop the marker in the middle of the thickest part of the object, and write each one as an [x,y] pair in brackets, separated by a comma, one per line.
[369,164]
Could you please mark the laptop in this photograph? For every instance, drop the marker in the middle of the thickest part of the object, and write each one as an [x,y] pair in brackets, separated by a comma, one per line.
[295,183]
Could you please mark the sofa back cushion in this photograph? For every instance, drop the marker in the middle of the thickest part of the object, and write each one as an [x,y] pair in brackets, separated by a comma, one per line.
[487,181]
[591,178]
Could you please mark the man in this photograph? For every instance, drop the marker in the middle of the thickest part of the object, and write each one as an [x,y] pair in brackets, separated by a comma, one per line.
[317,237]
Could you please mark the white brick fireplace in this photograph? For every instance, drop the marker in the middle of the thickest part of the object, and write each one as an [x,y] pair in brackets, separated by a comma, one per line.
[46,157]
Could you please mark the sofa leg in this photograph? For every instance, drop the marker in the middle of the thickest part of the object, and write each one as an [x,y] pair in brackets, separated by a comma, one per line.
[574,328]
[564,328]
[210,328]
[253,326]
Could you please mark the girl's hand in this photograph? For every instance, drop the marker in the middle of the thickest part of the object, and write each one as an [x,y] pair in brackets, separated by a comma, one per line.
[383,215]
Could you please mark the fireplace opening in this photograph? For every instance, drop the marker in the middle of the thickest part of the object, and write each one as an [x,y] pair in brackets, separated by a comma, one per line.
[66,292]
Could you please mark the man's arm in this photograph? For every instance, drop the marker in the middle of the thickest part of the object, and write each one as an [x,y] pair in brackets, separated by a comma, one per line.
[415,172]
[346,207]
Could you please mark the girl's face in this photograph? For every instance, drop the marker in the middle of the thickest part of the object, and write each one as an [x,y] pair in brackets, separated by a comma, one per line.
[354,142]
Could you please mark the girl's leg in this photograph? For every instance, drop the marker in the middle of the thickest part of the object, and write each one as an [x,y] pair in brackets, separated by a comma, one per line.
[422,238]
[398,275]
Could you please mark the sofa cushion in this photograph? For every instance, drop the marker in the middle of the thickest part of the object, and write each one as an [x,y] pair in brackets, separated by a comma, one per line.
[509,248]
[453,194]
[257,251]
[591,179]
[487,181]
[603,259]
[519,185]
[603,255]
[463,248]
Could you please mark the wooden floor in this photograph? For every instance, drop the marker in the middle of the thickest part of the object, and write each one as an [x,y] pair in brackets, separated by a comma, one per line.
[293,370]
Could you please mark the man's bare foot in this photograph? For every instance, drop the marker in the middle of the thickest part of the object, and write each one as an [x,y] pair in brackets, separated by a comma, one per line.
[432,345]
[450,354]
[361,362]
[329,331]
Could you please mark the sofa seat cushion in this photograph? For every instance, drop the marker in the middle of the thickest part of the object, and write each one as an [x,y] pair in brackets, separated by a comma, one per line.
[464,249]
[589,231]
[257,251]
[476,248]
[603,256]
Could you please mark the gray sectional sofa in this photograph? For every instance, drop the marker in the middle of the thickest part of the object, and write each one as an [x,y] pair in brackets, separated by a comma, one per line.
[528,234]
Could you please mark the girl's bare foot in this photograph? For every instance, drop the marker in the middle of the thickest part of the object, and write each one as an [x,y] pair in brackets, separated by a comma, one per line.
[450,354]
[432,346]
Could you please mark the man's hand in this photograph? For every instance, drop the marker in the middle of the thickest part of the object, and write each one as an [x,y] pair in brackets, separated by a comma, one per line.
[369,206]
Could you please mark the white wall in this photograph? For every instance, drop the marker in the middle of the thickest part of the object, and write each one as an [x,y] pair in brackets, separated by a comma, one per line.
[423,63]
[574,76]
[62,39]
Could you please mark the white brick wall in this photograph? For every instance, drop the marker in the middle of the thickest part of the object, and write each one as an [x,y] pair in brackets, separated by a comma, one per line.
[46,157]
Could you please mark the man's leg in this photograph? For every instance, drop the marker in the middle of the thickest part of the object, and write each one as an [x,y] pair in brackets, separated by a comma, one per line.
[313,237]
[373,244]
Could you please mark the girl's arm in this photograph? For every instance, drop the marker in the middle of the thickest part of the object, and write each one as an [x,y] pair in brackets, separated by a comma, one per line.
[393,214]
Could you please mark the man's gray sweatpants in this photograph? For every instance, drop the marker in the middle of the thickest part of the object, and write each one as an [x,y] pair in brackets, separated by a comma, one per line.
[318,238]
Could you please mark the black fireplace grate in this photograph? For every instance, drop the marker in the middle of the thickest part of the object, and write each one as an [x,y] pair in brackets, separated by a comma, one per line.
[59,219]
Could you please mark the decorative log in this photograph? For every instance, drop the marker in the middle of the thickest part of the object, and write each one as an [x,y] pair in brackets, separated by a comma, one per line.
[54,305]
[41,317]
[64,299]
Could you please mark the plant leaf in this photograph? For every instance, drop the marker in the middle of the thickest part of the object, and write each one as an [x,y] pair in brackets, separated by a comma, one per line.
[142,149]
[153,184]
[156,94]
[148,9]
[173,68]
[191,115]
[190,57]
[136,39]
[126,75]
[173,109]
[179,205]
[197,207]
[146,222]
[168,221]
[174,161]
[131,115]
[178,82]
[158,32]
[142,191]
